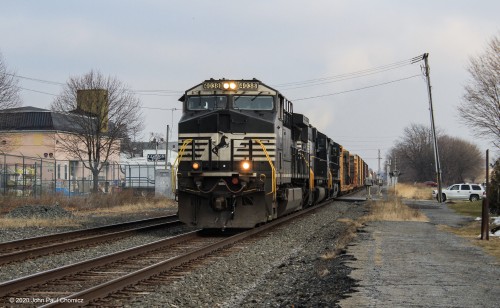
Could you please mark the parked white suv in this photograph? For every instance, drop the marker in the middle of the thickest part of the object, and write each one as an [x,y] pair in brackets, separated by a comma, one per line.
[463,191]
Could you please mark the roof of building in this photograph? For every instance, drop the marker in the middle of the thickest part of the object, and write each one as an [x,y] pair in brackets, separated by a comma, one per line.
[33,118]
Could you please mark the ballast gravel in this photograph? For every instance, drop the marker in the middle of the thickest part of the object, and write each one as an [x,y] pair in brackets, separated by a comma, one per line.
[29,267]
[282,269]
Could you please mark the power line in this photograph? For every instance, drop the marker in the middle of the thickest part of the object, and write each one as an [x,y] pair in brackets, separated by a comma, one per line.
[332,81]
[38,80]
[286,86]
[359,73]
[37,91]
[358,89]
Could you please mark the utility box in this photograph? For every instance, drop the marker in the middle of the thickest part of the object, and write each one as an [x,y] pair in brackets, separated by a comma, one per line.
[163,184]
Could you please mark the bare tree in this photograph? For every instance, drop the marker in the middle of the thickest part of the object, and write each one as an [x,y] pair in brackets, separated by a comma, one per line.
[460,159]
[9,98]
[103,112]
[9,90]
[480,107]
[493,193]
[414,155]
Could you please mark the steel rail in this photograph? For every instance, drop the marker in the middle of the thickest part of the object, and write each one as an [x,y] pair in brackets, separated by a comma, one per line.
[28,281]
[83,232]
[78,242]
[117,284]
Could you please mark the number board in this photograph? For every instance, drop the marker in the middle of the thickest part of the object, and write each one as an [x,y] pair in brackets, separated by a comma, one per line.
[212,85]
[240,85]
[245,85]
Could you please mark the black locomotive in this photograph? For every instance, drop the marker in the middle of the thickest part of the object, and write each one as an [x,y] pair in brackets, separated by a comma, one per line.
[246,158]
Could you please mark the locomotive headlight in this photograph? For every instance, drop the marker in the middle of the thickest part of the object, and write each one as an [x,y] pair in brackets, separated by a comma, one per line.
[229,85]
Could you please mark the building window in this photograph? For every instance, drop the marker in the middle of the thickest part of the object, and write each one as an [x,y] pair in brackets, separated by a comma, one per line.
[73,167]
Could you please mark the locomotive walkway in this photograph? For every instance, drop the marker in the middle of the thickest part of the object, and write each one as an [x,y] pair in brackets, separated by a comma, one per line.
[417,264]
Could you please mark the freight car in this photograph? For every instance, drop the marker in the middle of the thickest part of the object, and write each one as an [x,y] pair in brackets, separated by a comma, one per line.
[246,158]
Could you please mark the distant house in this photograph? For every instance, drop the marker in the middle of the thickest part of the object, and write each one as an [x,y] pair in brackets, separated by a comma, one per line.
[29,137]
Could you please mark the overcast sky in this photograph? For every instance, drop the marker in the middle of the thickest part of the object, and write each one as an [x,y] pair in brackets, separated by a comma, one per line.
[170,46]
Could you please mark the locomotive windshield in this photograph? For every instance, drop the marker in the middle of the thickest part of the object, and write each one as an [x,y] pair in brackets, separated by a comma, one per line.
[206,102]
[253,102]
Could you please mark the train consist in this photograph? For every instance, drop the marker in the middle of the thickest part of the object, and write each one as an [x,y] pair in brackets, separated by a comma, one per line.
[246,158]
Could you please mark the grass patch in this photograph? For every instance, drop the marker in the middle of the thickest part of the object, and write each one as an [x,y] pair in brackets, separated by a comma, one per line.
[13,223]
[342,241]
[393,210]
[467,208]
[472,231]
[96,202]
[129,208]
[412,191]
[125,202]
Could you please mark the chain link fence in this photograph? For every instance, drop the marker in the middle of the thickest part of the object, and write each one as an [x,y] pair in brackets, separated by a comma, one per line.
[29,176]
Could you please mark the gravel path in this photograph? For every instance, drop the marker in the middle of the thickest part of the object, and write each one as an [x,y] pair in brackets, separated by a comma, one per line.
[417,264]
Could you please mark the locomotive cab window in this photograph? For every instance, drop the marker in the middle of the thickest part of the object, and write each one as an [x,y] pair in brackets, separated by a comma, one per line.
[253,102]
[206,102]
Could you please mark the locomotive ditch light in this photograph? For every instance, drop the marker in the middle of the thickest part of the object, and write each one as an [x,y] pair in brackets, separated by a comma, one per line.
[196,166]
[246,166]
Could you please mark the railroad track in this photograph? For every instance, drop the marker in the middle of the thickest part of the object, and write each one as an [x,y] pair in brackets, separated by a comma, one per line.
[38,246]
[92,281]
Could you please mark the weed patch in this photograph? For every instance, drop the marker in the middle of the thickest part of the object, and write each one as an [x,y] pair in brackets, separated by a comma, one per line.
[13,223]
[393,210]
[78,207]
[412,191]
[472,232]
[343,240]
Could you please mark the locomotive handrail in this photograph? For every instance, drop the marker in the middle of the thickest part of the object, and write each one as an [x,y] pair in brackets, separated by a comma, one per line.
[273,170]
[177,161]
[330,179]
[311,172]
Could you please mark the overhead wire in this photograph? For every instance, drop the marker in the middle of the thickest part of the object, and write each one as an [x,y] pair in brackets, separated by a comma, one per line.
[357,89]
[285,86]
[360,73]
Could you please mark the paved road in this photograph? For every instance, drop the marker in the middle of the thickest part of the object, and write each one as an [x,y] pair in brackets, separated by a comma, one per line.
[414,264]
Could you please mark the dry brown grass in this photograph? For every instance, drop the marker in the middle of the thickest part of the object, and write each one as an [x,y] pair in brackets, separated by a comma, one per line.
[83,203]
[345,238]
[139,207]
[393,210]
[472,232]
[15,223]
[81,207]
[412,191]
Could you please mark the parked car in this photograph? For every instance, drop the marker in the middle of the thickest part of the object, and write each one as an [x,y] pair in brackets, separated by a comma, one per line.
[463,191]
[431,184]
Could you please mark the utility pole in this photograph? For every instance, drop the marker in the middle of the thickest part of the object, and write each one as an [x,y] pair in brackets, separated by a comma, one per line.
[395,172]
[166,150]
[485,213]
[433,127]
[379,158]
